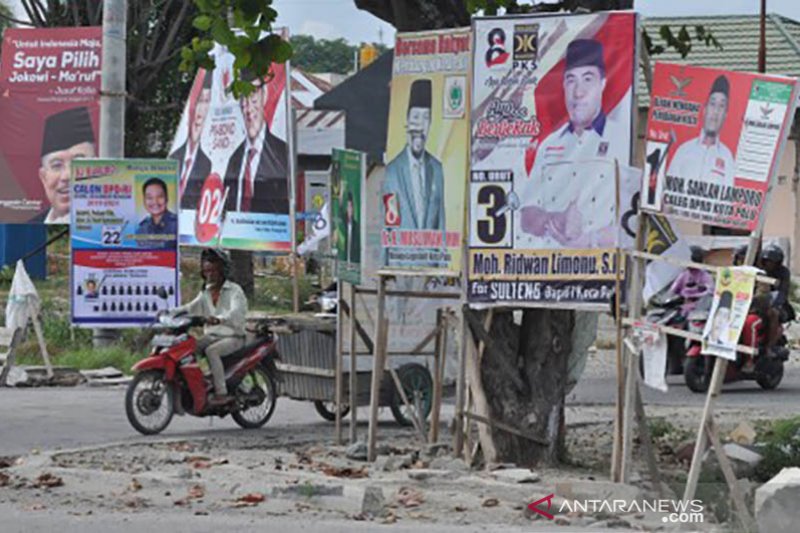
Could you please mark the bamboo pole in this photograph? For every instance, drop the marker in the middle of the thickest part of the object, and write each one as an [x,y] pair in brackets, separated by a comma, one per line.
[353,369]
[378,365]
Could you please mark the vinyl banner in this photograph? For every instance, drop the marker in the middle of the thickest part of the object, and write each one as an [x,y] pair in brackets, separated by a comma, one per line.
[50,104]
[423,193]
[714,140]
[348,176]
[732,297]
[233,161]
[124,231]
[552,115]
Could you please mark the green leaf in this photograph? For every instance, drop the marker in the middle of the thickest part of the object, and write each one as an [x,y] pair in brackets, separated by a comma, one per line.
[221,33]
[202,22]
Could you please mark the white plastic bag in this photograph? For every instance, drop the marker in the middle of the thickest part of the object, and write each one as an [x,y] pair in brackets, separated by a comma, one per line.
[23,300]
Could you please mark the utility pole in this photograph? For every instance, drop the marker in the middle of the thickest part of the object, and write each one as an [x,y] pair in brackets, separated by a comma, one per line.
[112,104]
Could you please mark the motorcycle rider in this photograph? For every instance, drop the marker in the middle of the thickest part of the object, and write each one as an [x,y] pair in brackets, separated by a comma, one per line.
[771,303]
[693,283]
[224,305]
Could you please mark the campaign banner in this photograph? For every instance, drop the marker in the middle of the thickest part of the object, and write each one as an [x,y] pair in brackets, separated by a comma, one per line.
[714,141]
[348,174]
[124,241]
[552,121]
[732,296]
[233,161]
[423,192]
[50,104]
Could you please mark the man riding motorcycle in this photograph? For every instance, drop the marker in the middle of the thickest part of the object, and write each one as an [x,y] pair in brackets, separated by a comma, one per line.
[771,303]
[693,284]
[224,305]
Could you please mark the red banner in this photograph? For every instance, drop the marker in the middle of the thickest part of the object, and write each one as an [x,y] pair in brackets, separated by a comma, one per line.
[50,104]
[714,140]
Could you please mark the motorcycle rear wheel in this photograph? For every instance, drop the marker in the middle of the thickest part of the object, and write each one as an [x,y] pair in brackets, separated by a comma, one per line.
[256,416]
[769,376]
[142,401]
[694,374]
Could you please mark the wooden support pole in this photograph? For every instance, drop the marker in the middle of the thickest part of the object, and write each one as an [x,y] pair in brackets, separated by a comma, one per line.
[362,333]
[748,524]
[458,437]
[378,364]
[412,409]
[647,444]
[339,361]
[616,452]
[37,328]
[437,379]
[481,404]
[353,369]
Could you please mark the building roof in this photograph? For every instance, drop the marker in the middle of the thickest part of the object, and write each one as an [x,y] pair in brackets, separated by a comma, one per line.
[739,36]
[319,131]
[365,99]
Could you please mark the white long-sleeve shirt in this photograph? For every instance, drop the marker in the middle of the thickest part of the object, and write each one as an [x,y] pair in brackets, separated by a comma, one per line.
[231,310]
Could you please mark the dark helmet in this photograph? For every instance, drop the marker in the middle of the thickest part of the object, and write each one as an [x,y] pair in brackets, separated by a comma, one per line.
[772,253]
[740,253]
[698,254]
[215,255]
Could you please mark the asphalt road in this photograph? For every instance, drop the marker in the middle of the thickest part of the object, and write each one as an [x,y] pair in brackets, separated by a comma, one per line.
[65,418]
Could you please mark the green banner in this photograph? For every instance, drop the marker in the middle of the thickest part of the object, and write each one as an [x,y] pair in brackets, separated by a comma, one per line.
[348,172]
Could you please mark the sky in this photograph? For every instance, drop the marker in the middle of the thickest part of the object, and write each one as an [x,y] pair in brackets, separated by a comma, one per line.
[332,19]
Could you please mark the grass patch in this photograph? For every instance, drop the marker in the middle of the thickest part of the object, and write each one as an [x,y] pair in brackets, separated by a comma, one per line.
[90,358]
[779,442]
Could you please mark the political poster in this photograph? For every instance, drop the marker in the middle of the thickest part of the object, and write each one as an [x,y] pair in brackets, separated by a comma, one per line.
[732,296]
[714,140]
[50,104]
[233,161]
[124,241]
[348,174]
[551,126]
[423,192]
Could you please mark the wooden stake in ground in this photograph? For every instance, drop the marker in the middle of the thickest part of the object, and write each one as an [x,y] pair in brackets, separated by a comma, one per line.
[353,368]
[338,382]
[378,365]
[438,355]
[616,454]
[458,437]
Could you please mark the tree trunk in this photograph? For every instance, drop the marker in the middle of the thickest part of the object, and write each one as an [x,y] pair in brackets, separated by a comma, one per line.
[532,399]
[242,271]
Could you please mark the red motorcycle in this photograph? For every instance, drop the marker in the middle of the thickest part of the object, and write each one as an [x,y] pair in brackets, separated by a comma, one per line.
[765,370]
[171,381]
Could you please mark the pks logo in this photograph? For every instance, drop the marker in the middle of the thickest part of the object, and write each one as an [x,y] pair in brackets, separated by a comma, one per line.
[766,111]
[391,208]
[496,54]
[526,46]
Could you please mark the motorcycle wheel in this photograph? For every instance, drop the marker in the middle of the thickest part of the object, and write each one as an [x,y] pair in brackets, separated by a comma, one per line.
[260,383]
[694,374]
[149,403]
[327,410]
[769,376]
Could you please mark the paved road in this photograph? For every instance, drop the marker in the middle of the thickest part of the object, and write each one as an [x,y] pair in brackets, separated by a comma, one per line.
[63,418]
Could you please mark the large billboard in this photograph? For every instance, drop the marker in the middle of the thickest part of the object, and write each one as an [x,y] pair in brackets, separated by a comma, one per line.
[50,104]
[713,142]
[423,192]
[348,177]
[124,241]
[551,124]
[233,161]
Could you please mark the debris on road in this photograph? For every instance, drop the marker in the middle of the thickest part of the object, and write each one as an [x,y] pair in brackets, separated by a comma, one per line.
[48,481]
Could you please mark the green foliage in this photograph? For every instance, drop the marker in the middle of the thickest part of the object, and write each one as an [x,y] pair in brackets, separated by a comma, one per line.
[239,26]
[325,55]
[779,446]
